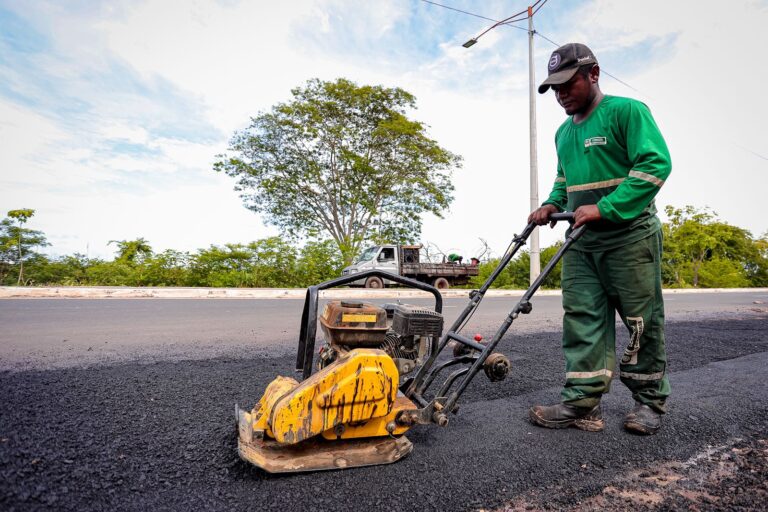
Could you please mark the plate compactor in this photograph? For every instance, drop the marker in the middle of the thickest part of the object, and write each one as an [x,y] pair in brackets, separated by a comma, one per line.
[373,375]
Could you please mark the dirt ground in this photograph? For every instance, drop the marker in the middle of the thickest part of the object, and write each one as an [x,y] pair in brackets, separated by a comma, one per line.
[728,477]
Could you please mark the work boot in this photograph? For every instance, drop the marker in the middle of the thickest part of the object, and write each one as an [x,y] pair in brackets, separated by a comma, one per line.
[564,415]
[642,420]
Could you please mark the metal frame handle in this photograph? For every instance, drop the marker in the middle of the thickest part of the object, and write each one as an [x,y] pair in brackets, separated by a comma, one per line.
[417,387]
[569,216]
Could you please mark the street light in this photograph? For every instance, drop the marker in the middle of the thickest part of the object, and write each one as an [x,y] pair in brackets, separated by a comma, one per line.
[534,170]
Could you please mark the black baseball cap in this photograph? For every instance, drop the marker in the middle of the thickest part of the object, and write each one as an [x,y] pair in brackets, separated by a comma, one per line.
[564,63]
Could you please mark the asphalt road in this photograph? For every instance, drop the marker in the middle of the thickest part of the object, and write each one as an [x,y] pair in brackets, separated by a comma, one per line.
[67,332]
[158,434]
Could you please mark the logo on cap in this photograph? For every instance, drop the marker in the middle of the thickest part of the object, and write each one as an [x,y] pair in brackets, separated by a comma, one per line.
[554,61]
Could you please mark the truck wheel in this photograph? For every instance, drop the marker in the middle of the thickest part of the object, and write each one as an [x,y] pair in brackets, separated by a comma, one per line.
[374,282]
[441,283]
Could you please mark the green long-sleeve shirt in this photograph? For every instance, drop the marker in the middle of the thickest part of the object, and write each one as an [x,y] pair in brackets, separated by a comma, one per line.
[618,160]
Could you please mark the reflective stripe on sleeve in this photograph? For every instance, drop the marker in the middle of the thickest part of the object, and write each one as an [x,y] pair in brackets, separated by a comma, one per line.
[559,180]
[646,177]
[642,376]
[595,184]
[588,375]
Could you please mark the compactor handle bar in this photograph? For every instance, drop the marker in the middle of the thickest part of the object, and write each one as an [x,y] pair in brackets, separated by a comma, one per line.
[445,399]
[569,216]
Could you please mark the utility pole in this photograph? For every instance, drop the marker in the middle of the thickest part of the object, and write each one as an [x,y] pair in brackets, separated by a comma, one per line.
[534,177]
[534,174]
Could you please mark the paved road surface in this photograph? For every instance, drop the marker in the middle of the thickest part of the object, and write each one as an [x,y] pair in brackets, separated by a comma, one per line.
[158,434]
[62,332]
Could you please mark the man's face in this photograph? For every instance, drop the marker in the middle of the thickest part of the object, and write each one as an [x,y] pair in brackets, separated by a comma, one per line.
[575,95]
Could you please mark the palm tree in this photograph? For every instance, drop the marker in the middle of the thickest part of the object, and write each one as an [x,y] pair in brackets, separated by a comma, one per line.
[21,217]
[129,251]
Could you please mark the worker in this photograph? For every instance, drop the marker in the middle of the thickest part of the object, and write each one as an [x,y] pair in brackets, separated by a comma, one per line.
[455,258]
[612,161]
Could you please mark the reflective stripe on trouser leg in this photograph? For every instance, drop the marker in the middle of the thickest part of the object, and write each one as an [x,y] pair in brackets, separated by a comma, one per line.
[632,274]
[588,331]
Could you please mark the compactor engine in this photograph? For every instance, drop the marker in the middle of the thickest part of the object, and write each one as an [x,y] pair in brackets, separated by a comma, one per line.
[405,332]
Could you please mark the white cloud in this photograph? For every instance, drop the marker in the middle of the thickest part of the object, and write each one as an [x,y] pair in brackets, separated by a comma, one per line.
[122,131]
[700,93]
[213,64]
[25,135]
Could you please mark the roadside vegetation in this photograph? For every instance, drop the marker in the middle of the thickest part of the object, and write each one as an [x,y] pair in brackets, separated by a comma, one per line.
[700,250]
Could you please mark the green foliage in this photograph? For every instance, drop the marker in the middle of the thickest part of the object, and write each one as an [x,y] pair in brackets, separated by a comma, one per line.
[132,251]
[760,274]
[8,251]
[265,264]
[17,243]
[21,216]
[721,273]
[341,161]
[220,266]
[67,271]
[517,274]
[553,281]
[485,270]
[319,261]
[699,250]
[111,273]
[702,251]
[274,262]
[169,268]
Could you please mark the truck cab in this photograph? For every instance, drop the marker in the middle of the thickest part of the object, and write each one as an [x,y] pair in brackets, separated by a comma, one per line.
[378,257]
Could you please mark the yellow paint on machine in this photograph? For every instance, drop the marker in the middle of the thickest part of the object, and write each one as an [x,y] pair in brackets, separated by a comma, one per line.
[356,396]
[355,318]
[375,427]
[276,390]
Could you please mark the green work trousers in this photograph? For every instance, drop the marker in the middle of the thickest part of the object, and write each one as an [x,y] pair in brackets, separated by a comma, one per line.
[596,285]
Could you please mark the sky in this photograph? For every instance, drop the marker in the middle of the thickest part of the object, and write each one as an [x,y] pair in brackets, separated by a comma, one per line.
[112,113]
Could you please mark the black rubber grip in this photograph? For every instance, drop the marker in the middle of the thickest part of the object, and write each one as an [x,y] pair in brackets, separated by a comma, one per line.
[561,216]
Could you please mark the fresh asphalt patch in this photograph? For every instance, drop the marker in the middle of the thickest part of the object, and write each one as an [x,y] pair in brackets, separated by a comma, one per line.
[162,436]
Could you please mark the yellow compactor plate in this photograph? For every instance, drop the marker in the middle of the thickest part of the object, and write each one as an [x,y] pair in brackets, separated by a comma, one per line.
[319,454]
[342,416]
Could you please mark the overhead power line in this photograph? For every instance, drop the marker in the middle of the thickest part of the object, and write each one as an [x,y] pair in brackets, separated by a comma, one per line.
[512,19]
[537,6]
[459,10]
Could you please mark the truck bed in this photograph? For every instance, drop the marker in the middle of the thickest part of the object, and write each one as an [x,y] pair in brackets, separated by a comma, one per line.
[439,269]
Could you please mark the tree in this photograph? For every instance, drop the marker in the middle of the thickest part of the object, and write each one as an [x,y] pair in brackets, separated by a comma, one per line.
[701,250]
[16,241]
[760,277]
[342,161]
[132,251]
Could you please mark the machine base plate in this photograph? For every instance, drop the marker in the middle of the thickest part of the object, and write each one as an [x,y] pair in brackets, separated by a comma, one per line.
[318,454]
